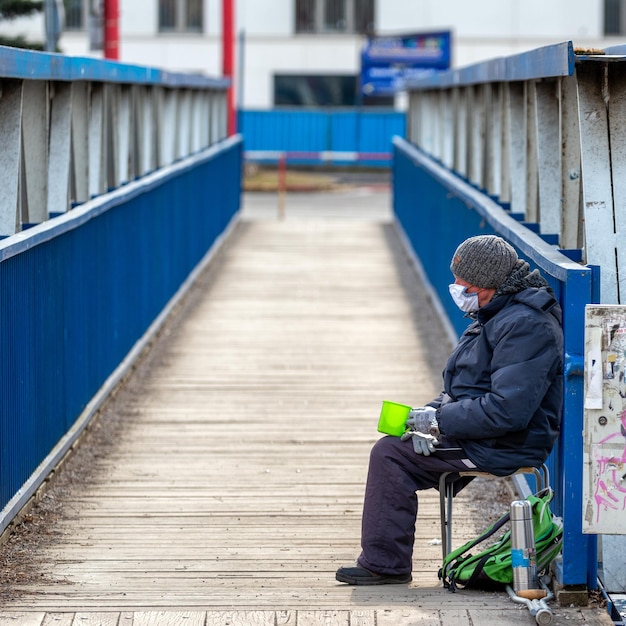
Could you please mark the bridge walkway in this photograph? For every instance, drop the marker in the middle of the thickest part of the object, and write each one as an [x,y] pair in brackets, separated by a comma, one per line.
[223,483]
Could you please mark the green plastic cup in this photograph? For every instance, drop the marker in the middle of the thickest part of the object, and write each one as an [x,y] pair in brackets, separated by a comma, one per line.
[392,420]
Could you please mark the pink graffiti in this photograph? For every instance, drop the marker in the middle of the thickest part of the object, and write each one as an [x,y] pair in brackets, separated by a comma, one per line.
[610,490]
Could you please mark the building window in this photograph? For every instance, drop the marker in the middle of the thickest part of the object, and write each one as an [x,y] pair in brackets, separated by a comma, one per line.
[614,17]
[74,14]
[319,90]
[181,16]
[335,16]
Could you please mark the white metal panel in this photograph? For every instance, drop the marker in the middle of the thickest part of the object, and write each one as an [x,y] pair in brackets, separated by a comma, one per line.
[134,162]
[110,138]
[505,170]
[477,135]
[435,122]
[517,123]
[96,140]
[548,157]
[122,131]
[493,159]
[197,122]
[427,124]
[220,114]
[184,125]
[147,129]
[167,127]
[532,183]
[80,140]
[470,96]
[35,116]
[461,130]
[424,126]
[604,470]
[596,179]
[571,230]
[418,118]
[617,130]
[60,147]
[447,130]
[10,153]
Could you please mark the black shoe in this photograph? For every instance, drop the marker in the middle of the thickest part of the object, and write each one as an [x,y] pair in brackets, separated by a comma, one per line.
[357,575]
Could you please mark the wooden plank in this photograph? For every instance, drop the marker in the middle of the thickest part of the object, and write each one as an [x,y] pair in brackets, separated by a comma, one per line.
[95,619]
[459,617]
[408,616]
[126,618]
[240,618]
[519,615]
[62,619]
[286,618]
[324,618]
[169,618]
[22,618]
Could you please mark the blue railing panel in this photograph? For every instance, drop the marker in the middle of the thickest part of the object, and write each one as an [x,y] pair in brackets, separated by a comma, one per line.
[296,131]
[437,210]
[360,131]
[78,292]
[344,131]
[377,130]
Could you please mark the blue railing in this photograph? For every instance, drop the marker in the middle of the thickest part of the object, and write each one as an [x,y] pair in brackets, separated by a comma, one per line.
[436,210]
[79,291]
[85,283]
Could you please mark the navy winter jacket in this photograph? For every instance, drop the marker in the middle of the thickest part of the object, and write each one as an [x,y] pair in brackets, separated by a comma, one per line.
[503,383]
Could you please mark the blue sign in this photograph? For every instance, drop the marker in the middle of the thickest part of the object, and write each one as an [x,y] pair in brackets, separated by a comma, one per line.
[388,62]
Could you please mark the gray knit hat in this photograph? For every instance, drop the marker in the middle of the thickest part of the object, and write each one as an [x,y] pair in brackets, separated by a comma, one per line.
[484,261]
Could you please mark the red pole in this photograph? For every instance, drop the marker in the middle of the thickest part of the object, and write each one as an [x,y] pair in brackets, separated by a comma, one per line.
[282,184]
[228,59]
[111,30]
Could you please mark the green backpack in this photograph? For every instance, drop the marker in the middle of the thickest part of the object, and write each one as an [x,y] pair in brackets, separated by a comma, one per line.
[492,568]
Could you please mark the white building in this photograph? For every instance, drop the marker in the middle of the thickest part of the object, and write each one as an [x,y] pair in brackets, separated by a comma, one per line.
[308,47]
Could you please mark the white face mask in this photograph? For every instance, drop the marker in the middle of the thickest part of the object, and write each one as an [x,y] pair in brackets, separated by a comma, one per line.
[467,302]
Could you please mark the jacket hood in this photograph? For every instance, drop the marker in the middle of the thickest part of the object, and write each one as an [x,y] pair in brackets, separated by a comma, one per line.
[538,298]
[541,299]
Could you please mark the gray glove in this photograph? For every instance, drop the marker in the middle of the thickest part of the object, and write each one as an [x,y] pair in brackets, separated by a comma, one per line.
[422,443]
[422,420]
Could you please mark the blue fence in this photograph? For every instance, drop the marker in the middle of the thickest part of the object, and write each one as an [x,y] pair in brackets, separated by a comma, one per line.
[436,210]
[359,131]
[78,291]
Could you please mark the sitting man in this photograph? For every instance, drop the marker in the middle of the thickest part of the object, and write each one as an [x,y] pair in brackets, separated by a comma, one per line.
[500,409]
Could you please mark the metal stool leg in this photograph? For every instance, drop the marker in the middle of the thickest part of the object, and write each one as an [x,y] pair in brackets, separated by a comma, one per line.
[445,512]
[449,498]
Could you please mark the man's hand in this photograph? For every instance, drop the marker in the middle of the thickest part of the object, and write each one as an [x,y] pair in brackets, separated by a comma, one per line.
[422,420]
[422,443]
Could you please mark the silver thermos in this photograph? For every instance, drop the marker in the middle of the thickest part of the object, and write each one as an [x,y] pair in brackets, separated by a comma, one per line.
[523,554]
[528,590]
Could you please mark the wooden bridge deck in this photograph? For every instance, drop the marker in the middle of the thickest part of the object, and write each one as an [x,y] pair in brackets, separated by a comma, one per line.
[223,483]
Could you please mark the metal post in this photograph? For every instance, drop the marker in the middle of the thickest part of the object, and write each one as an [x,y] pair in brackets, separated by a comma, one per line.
[111,30]
[228,59]
[54,19]
[282,185]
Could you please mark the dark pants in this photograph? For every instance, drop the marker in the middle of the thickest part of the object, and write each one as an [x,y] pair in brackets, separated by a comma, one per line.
[395,473]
